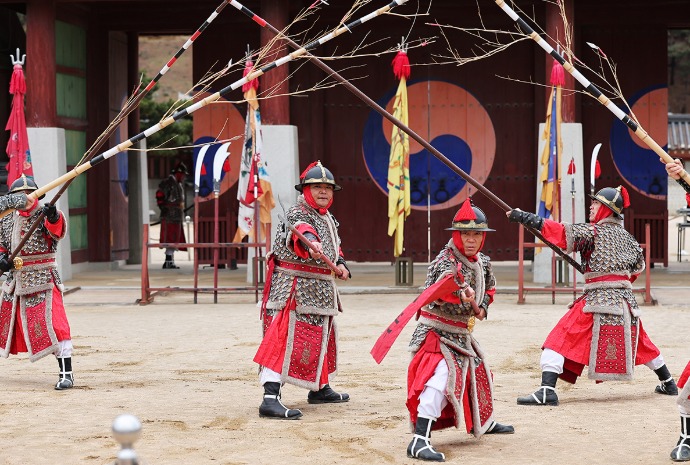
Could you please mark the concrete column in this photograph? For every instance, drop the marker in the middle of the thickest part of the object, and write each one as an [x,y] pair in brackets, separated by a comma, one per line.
[281,153]
[48,154]
[572,148]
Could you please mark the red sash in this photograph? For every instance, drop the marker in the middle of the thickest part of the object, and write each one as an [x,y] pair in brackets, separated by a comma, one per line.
[434,292]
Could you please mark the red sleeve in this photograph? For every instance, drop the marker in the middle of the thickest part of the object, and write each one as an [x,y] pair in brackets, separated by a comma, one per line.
[56,229]
[300,249]
[554,232]
[3,250]
[159,197]
[340,253]
[687,199]
[491,292]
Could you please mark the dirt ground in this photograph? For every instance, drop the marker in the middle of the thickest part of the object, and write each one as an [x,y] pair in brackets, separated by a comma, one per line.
[186,372]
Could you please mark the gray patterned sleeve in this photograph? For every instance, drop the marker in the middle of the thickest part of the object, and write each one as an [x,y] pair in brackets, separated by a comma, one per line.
[12,201]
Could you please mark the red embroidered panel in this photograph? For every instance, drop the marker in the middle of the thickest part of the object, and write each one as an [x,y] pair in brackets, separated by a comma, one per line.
[611,350]
[331,354]
[484,397]
[633,340]
[5,322]
[306,352]
[267,320]
[38,330]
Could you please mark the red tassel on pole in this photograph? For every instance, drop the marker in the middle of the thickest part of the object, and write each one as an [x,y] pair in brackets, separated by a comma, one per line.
[401,65]
[597,170]
[254,83]
[571,166]
[17,81]
[557,74]
[626,197]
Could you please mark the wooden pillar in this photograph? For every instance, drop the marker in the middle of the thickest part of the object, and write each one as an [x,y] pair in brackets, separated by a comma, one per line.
[41,109]
[556,31]
[275,110]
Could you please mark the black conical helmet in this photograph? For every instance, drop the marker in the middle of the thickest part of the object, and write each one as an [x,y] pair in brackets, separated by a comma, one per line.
[24,183]
[316,173]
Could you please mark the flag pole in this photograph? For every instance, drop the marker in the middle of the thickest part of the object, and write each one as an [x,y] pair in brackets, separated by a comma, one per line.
[112,127]
[376,107]
[634,126]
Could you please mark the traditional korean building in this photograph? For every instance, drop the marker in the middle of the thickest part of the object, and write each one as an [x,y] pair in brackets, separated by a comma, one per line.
[82,62]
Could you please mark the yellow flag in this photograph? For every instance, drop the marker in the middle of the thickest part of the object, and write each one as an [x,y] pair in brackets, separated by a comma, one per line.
[399,172]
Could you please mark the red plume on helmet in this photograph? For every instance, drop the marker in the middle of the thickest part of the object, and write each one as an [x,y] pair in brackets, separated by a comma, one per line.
[470,218]
[466,212]
[306,170]
[626,197]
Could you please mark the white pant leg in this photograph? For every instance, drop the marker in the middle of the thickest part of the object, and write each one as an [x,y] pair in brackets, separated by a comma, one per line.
[656,363]
[433,400]
[170,251]
[551,361]
[268,376]
[683,410]
[64,349]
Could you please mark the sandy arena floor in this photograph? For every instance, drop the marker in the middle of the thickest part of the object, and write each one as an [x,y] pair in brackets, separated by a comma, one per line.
[186,372]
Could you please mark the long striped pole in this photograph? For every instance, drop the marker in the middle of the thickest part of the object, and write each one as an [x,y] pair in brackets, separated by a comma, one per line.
[592,89]
[375,106]
[212,98]
[131,105]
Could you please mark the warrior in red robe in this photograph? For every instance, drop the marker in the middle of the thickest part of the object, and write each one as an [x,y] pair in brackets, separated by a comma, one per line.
[681,453]
[170,200]
[448,380]
[32,314]
[602,328]
[301,300]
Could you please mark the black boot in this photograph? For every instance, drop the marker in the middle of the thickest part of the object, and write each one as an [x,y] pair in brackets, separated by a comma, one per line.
[420,447]
[272,407]
[546,394]
[326,395]
[681,453]
[668,385]
[498,428]
[66,380]
[169,263]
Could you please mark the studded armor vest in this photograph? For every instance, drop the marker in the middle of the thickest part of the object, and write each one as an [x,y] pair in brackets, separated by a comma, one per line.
[477,275]
[315,288]
[39,270]
[610,256]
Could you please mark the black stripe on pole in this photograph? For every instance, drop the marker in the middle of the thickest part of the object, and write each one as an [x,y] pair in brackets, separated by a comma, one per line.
[269,67]
[557,56]
[247,11]
[353,24]
[523,25]
[312,45]
[96,160]
[631,124]
[180,114]
[137,138]
[594,90]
